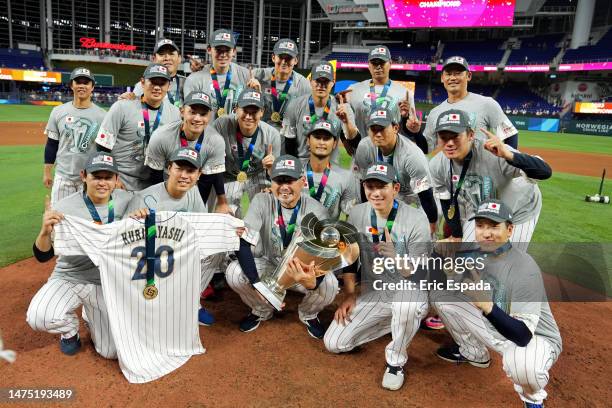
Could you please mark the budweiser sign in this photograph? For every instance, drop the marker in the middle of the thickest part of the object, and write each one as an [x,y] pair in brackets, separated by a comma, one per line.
[87,42]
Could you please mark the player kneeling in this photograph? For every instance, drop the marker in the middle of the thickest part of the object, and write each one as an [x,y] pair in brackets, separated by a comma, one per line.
[518,324]
[75,281]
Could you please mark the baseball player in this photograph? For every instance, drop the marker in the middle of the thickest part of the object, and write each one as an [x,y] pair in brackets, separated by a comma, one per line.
[75,280]
[70,131]
[305,110]
[223,79]
[129,124]
[469,170]
[390,228]
[514,318]
[327,182]
[485,112]
[385,144]
[271,223]
[250,148]
[191,132]
[281,83]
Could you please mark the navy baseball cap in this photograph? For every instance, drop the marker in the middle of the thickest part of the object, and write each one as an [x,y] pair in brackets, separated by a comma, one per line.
[381,117]
[223,37]
[382,171]
[101,161]
[322,70]
[156,71]
[250,97]
[82,72]
[286,165]
[286,46]
[198,98]
[187,154]
[380,52]
[494,210]
[326,125]
[456,61]
[453,120]
[165,42]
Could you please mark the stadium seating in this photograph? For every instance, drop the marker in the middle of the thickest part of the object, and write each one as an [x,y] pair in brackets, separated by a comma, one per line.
[476,52]
[348,56]
[536,50]
[597,52]
[519,98]
[23,59]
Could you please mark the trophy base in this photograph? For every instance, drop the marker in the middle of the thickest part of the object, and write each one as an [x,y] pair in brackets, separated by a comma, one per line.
[270,296]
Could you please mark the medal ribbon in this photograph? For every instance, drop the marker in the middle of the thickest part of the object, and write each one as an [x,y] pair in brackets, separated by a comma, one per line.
[245,159]
[177,94]
[277,101]
[287,230]
[313,114]
[380,157]
[373,98]
[94,213]
[466,165]
[150,231]
[185,142]
[389,224]
[221,96]
[311,186]
[147,125]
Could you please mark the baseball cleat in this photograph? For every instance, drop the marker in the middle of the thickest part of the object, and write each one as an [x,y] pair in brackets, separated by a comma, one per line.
[452,355]
[205,318]
[315,328]
[250,323]
[393,379]
[433,323]
[532,405]
[71,345]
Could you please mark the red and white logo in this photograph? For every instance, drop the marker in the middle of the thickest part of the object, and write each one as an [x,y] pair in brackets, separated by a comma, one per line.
[306,118]
[159,69]
[226,36]
[202,96]
[381,167]
[288,45]
[453,117]
[582,87]
[323,68]
[141,124]
[290,163]
[189,153]
[455,178]
[381,50]
[108,159]
[490,207]
[381,114]
[325,125]
[69,119]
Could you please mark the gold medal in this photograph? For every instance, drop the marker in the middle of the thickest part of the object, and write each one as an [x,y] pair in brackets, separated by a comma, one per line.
[451,212]
[241,177]
[276,117]
[150,292]
[221,112]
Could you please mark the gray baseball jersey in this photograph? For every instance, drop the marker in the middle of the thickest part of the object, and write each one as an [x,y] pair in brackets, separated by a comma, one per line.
[360,100]
[339,194]
[75,129]
[123,132]
[409,161]
[80,269]
[166,139]
[262,226]
[487,177]
[175,93]
[226,126]
[297,120]
[157,198]
[299,87]
[484,112]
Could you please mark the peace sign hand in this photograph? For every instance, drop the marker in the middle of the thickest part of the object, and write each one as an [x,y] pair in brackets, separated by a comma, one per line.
[496,146]
[50,218]
[387,248]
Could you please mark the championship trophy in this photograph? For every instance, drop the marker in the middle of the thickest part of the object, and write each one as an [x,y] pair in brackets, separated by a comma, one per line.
[331,244]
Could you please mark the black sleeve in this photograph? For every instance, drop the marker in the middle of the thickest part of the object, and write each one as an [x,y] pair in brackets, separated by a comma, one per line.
[455,223]
[51,150]
[157,176]
[533,167]
[513,329]
[207,181]
[512,141]
[247,262]
[42,256]
[429,205]
[102,149]
[418,138]
[350,145]
[291,146]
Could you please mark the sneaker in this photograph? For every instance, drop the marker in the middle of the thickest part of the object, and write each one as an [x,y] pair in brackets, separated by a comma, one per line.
[250,323]
[452,354]
[433,323]
[205,318]
[532,405]
[315,328]
[393,379]
[208,293]
[70,346]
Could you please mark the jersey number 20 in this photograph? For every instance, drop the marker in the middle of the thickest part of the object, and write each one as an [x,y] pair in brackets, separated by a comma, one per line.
[164,262]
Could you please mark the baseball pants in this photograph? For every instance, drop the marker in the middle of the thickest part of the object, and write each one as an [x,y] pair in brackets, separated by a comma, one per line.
[63,187]
[377,314]
[313,302]
[53,308]
[527,367]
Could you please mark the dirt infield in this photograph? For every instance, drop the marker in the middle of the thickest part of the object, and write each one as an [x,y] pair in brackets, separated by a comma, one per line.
[22,133]
[280,365]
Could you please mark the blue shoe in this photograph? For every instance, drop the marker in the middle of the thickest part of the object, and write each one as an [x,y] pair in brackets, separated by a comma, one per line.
[532,405]
[250,323]
[70,346]
[205,318]
[315,328]
[452,355]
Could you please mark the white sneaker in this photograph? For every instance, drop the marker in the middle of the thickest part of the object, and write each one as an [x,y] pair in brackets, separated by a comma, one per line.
[393,378]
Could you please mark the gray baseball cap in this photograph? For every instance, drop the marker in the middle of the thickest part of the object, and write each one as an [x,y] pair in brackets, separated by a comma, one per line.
[250,97]
[286,165]
[82,72]
[382,171]
[380,52]
[381,117]
[156,71]
[456,61]
[101,161]
[322,70]
[187,154]
[223,37]
[494,210]
[326,125]
[165,42]
[453,120]
[198,98]
[286,46]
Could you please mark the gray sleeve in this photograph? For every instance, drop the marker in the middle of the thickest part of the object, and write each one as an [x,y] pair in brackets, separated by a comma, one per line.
[198,204]
[527,293]
[134,204]
[289,129]
[438,177]
[52,130]
[428,132]
[214,161]
[255,217]
[319,210]
[156,151]
[110,127]
[498,121]
[506,168]
[419,241]
[418,169]
[348,199]
[190,84]
[361,161]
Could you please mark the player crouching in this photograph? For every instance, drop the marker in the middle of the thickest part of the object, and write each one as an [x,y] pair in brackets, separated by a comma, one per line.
[75,280]
[518,324]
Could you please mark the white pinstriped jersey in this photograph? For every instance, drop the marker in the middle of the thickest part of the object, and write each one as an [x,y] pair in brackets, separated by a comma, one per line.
[153,337]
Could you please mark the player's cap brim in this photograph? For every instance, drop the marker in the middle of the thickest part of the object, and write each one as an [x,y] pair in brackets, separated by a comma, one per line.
[319,75]
[492,217]
[455,65]
[222,43]
[380,122]
[379,177]
[192,163]
[451,128]
[248,102]
[101,167]
[91,78]
[173,46]
[285,172]
[319,129]
[194,102]
[151,75]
